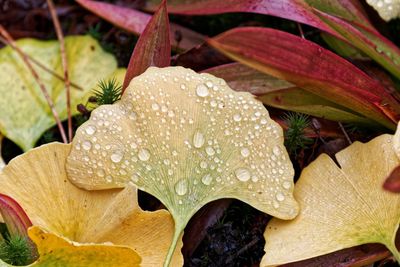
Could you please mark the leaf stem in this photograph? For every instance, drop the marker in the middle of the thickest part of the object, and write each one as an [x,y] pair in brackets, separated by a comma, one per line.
[177,234]
[392,248]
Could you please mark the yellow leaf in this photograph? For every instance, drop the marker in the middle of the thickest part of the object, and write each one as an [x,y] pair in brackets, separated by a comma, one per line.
[37,180]
[341,207]
[55,251]
[24,112]
[187,139]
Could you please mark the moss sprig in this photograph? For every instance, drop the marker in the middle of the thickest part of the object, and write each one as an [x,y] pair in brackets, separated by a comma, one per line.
[295,138]
[107,93]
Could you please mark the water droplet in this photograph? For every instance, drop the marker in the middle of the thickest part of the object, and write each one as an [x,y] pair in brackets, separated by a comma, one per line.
[100,173]
[90,130]
[210,151]
[198,139]
[109,179]
[155,106]
[280,197]
[207,179]
[276,150]
[117,156]
[144,154]
[181,187]
[201,90]
[135,178]
[286,184]
[242,174]
[87,145]
[245,152]
[237,117]
[209,84]
[203,164]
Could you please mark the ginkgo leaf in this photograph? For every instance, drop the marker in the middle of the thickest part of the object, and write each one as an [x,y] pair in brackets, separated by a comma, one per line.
[341,206]
[37,180]
[187,139]
[387,9]
[24,112]
[55,250]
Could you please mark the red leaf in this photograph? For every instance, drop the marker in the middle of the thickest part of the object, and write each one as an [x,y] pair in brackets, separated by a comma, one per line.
[296,10]
[135,21]
[14,216]
[310,67]
[153,47]
[392,183]
[368,40]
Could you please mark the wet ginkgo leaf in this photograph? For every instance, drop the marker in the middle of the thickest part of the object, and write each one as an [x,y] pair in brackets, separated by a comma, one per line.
[24,112]
[187,139]
[341,207]
[37,180]
[55,250]
[387,9]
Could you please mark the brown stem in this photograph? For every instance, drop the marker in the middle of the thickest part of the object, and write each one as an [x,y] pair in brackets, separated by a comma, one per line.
[64,62]
[11,42]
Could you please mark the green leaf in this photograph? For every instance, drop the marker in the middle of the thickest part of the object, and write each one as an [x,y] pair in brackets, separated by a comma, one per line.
[24,113]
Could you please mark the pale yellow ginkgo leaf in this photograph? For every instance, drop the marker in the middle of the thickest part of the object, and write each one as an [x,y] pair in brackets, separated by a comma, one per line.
[24,112]
[55,251]
[37,180]
[387,9]
[340,207]
[187,139]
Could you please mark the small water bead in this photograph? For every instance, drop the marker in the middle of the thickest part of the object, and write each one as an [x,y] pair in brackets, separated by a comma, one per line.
[117,156]
[198,139]
[155,106]
[90,130]
[207,179]
[242,174]
[286,184]
[210,151]
[202,90]
[86,145]
[135,178]
[181,187]
[100,173]
[279,196]
[237,117]
[203,164]
[209,84]
[109,179]
[276,150]
[245,152]
[144,154]
[213,103]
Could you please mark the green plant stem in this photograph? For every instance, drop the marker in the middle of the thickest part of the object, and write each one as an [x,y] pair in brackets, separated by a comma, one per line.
[177,234]
[392,248]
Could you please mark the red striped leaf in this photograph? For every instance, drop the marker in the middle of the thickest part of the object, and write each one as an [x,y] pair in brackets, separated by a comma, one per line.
[296,10]
[310,67]
[14,217]
[135,21]
[153,47]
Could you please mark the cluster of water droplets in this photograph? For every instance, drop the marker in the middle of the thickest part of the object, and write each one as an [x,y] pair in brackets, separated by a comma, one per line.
[189,134]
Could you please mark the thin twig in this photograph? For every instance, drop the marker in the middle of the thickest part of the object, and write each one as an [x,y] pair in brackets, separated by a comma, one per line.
[64,62]
[11,42]
[345,133]
[300,30]
[43,67]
